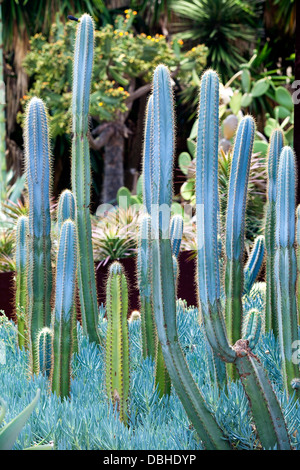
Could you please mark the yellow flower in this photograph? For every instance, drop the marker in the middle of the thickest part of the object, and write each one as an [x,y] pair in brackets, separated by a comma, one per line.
[127,16]
[193,49]
[121,34]
[180,41]
[100,103]
[121,88]
[149,37]
[134,13]
[126,33]
[126,11]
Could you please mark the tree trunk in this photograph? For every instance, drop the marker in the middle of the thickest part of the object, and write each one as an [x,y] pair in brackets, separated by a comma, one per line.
[113,167]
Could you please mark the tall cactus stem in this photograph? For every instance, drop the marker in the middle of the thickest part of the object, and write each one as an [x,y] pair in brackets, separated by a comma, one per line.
[21,281]
[117,341]
[285,265]
[66,268]
[274,150]
[149,335]
[66,209]
[81,174]
[254,263]
[38,172]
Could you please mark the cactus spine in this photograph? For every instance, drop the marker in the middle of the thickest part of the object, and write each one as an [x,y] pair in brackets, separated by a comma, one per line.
[81,174]
[285,265]
[21,280]
[45,338]
[254,263]
[274,150]
[117,341]
[235,223]
[64,309]
[37,159]
[67,210]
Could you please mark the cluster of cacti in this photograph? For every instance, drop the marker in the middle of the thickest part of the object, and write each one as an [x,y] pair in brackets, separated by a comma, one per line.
[56,334]
[117,340]
[268,417]
[230,334]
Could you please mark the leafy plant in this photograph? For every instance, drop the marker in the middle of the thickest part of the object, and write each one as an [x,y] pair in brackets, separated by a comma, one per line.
[225,27]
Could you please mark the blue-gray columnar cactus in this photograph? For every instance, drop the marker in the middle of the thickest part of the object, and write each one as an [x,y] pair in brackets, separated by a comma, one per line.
[265,408]
[235,226]
[285,265]
[81,174]
[274,150]
[66,267]
[38,171]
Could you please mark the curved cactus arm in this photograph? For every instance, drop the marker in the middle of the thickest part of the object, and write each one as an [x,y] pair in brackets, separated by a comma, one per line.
[207,216]
[64,308]
[147,156]
[274,150]
[37,159]
[235,222]
[285,265]
[149,336]
[176,231]
[266,411]
[254,263]
[9,433]
[21,280]
[81,174]
[117,340]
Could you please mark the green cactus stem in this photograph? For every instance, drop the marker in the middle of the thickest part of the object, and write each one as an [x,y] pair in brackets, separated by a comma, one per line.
[81,174]
[66,268]
[21,281]
[45,339]
[149,336]
[117,340]
[285,265]
[66,209]
[274,150]
[38,171]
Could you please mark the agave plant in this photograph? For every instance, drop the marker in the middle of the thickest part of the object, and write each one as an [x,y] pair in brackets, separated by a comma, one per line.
[115,236]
